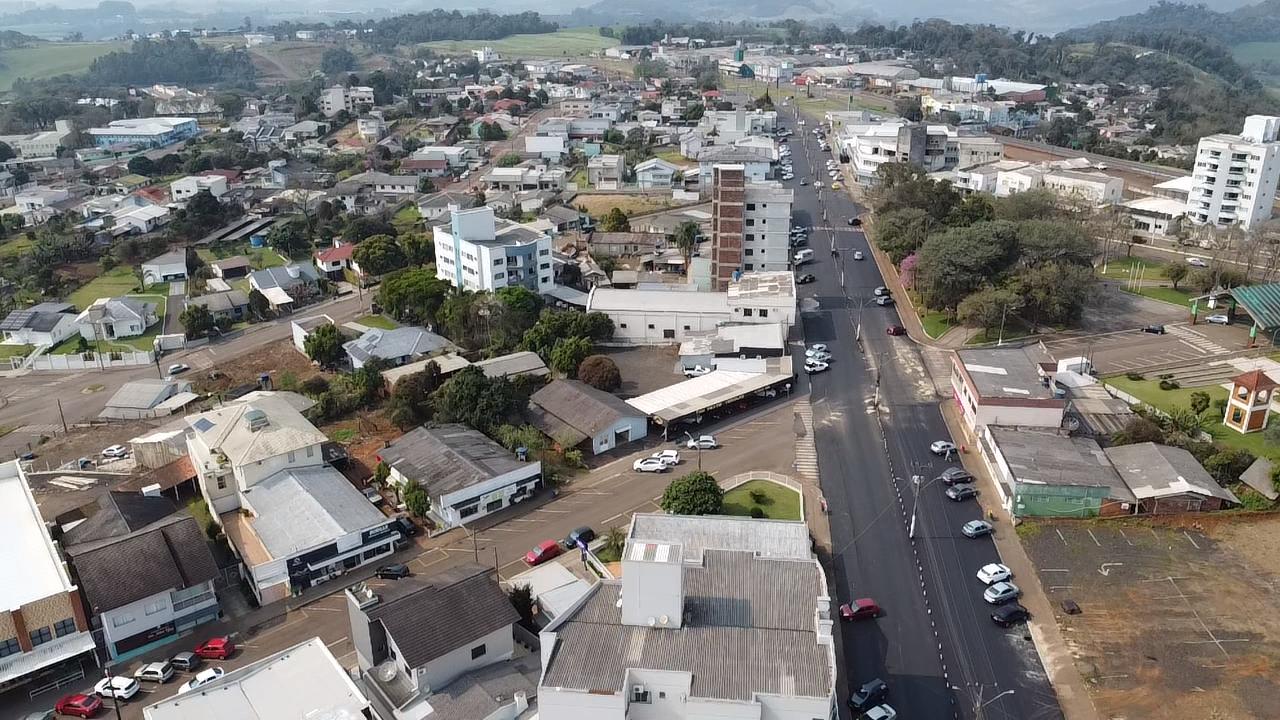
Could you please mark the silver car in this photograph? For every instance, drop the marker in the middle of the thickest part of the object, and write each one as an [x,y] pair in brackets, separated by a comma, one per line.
[1001,593]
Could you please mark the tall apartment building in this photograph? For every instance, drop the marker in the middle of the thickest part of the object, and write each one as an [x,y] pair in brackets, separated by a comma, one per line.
[749,225]
[339,98]
[1235,175]
[932,147]
[476,251]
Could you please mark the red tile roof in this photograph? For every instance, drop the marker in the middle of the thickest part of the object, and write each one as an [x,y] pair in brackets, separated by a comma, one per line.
[1255,380]
[335,254]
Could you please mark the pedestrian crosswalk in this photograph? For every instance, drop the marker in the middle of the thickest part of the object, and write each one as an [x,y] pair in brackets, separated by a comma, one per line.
[806,464]
[1196,339]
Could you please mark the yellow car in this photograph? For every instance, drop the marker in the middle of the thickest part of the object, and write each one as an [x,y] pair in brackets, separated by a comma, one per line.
[836,186]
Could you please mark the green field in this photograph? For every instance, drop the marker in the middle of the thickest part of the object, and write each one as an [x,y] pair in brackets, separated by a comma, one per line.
[780,502]
[13,248]
[378,321]
[574,41]
[49,59]
[116,282]
[1119,268]
[8,351]
[1163,293]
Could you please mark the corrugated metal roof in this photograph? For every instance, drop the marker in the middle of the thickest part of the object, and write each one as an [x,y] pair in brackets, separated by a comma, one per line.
[1262,302]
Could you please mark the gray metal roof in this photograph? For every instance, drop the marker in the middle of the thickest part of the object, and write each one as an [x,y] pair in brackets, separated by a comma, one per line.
[517,363]
[170,258]
[449,457]
[279,276]
[1154,471]
[579,406]
[295,510]
[750,629]
[784,539]
[1007,372]
[221,301]
[397,343]
[1049,459]
[145,394]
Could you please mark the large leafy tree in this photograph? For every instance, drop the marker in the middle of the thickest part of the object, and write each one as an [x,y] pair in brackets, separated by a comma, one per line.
[600,372]
[686,239]
[196,320]
[987,308]
[475,399]
[379,255]
[553,325]
[569,353]
[697,493]
[289,238]
[324,345]
[1054,292]
[413,295]
[410,403]
[901,232]
[615,221]
[957,262]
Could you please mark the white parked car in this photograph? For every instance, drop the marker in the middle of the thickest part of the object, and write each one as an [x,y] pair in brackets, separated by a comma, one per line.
[115,451]
[814,366]
[994,573]
[881,712]
[649,464]
[823,357]
[857,255]
[202,678]
[159,672]
[703,442]
[178,368]
[668,457]
[942,447]
[117,686]
[1218,320]
[1197,262]
[819,347]
[696,371]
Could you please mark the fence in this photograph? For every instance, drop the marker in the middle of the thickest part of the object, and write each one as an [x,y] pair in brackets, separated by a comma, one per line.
[773,477]
[94,361]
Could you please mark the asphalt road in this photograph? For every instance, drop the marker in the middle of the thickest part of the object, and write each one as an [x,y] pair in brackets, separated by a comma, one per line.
[936,645]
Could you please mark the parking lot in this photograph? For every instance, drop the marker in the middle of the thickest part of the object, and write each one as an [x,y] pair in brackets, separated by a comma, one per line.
[1175,621]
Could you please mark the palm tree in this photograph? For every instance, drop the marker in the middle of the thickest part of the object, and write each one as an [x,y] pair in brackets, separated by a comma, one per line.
[1186,421]
[614,542]
[686,239]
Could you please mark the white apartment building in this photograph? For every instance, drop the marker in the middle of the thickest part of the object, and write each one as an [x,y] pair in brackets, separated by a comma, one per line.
[339,98]
[476,251]
[932,147]
[41,144]
[651,645]
[731,125]
[766,224]
[185,188]
[1236,175]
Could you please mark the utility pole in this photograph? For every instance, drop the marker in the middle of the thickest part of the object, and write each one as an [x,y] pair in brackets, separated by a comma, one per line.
[62,417]
[915,502]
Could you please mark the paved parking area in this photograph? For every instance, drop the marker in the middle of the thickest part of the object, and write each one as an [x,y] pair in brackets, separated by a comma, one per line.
[1124,350]
[1173,622]
[645,369]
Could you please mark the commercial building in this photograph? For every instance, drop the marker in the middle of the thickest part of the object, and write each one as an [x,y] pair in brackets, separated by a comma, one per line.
[466,475]
[750,226]
[293,520]
[713,617]
[476,251]
[145,132]
[931,147]
[338,98]
[146,570]
[1039,473]
[573,413]
[43,628]
[1236,175]
[1168,479]
[42,144]
[303,682]
[1011,387]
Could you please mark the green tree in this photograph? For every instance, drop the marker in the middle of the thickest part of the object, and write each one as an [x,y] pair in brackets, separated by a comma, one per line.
[324,345]
[1187,423]
[686,239]
[600,372]
[697,493]
[1055,292]
[1029,205]
[232,104]
[901,232]
[196,320]
[142,165]
[1176,273]
[290,238]
[7,153]
[553,325]
[957,262]
[1042,241]
[492,131]
[416,499]
[1199,402]
[379,255]
[475,399]
[987,309]
[568,354]
[615,221]
[1228,464]
[909,109]
[521,597]
[510,159]
[258,303]
[1139,430]
[972,209]
[410,403]
[337,60]
[418,248]
[413,295]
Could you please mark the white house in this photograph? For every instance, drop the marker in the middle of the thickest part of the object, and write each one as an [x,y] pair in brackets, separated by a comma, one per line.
[478,252]
[115,318]
[184,189]
[43,324]
[466,475]
[169,266]
[605,172]
[547,147]
[656,174]
[573,413]
[339,98]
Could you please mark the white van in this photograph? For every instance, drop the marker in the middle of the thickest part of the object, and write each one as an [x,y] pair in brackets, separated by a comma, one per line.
[803,256]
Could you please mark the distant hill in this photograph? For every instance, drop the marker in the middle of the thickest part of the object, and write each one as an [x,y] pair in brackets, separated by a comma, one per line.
[1251,23]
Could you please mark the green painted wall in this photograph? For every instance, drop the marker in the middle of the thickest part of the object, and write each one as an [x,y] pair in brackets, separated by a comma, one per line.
[1058,500]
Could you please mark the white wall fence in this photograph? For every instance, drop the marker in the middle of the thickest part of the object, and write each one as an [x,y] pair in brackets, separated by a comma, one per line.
[93,361]
[773,477]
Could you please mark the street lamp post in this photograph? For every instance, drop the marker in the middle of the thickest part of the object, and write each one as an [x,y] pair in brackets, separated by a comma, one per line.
[915,502]
[698,446]
[978,703]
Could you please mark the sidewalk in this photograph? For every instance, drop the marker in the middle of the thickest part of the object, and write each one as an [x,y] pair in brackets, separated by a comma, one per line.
[1051,646]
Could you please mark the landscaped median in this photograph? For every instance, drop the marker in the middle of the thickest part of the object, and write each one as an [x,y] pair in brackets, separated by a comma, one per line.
[762,495]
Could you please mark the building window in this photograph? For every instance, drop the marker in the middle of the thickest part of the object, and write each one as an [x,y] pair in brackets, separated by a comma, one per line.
[639,694]
[749,251]
[764,313]
[40,636]
[544,252]
[669,334]
[154,608]
[292,457]
[545,266]
[468,511]
[477,651]
[1237,415]
[746,312]
[750,266]
[64,627]
[686,327]
[622,325]
[499,276]
[222,482]
[751,206]
[10,647]
[311,451]
[498,262]
[545,279]
[650,326]
[121,620]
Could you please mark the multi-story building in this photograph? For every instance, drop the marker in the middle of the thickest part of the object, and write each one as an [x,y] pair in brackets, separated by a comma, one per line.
[185,188]
[476,251]
[339,98]
[1236,175]
[713,617]
[145,132]
[931,147]
[43,628]
[41,144]
[749,225]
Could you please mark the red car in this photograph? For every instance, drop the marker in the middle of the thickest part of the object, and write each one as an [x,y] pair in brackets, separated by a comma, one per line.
[542,552]
[219,648]
[79,705]
[896,330]
[860,609]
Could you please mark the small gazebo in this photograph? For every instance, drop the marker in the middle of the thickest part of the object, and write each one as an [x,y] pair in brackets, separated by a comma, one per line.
[1249,402]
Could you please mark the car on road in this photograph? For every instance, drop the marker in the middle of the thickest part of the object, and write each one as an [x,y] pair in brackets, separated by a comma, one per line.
[959,493]
[955,476]
[1154,329]
[813,366]
[703,442]
[542,552]
[881,291]
[885,301]
[799,228]
[805,279]
[649,464]
[583,534]
[855,222]
[896,330]
[696,371]
[667,457]
[1197,262]
[178,368]
[860,609]
[994,573]
[115,451]
[216,648]
[79,705]
[942,447]
[836,186]
[157,672]
[977,528]
[394,571]
[857,255]
[1001,593]
[788,176]
[116,686]
[804,183]
[881,712]
[871,693]
[823,357]
[202,678]
[1218,320]
[185,661]
[817,347]
[1011,614]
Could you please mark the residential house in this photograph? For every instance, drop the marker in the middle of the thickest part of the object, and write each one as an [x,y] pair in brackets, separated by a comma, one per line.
[306,130]
[44,629]
[458,158]
[334,262]
[184,189]
[1156,217]
[547,147]
[395,347]
[620,244]
[293,520]
[755,163]
[525,177]
[467,475]
[573,413]
[475,251]
[370,191]
[563,218]
[351,99]
[148,398]
[146,571]
[231,305]
[606,172]
[1168,479]
[371,128]
[236,266]
[436,206]
[286,286]
[656,174]
[43,324]
[116,318]
[425,168]
[169,266]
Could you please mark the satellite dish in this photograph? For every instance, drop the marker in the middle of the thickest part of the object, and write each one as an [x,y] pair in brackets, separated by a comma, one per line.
[663,619]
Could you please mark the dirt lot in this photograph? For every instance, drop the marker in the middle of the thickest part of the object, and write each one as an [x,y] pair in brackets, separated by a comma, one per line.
[599,205]
[645,369]
[1180,618]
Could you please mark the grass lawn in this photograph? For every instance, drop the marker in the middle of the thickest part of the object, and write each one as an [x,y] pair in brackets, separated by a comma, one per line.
[1119,268]
[574,41]
[113,283]
[49,59]
[935,323]
[8,351]
[608,555]
[378,321]
[343,435]
[780,502]
[263,258]
[1181,296]
[406,219]
[11,249]
[675,158]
